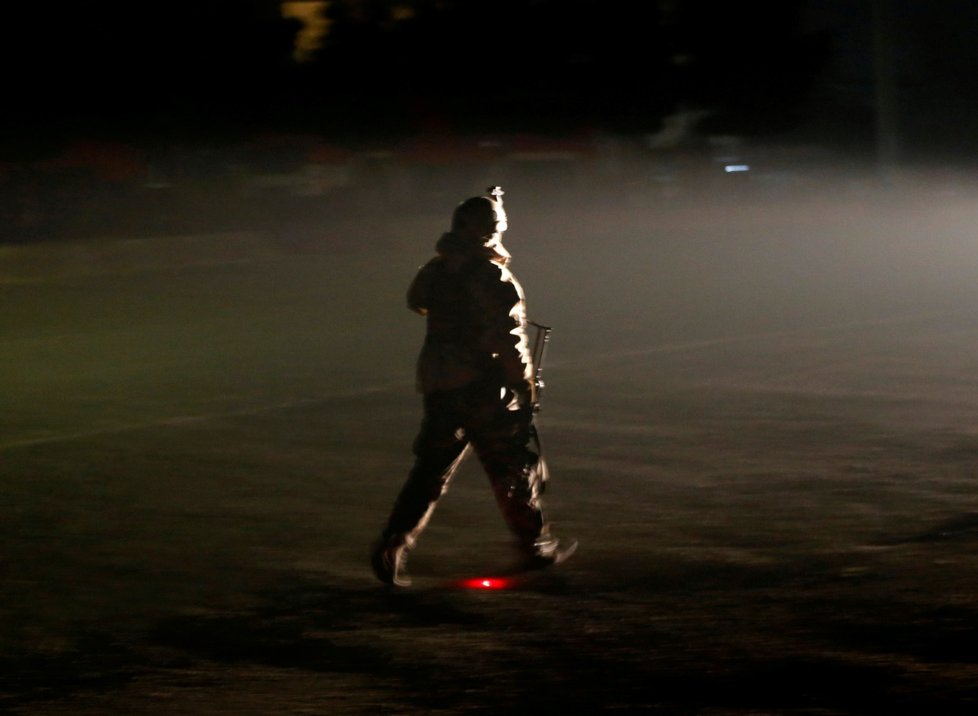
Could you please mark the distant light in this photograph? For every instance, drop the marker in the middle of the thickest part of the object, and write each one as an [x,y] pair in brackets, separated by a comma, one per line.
[485,583]
[315,26]
[736,168]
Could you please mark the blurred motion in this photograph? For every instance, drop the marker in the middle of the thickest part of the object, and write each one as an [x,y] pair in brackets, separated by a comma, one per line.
[752,226]
[477,374]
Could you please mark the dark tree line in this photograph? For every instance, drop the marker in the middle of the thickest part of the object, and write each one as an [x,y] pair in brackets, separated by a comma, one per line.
[760,67]
[572,62]
[542,64]
[115,64]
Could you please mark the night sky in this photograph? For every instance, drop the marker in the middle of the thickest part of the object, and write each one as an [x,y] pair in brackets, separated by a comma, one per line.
[767,68]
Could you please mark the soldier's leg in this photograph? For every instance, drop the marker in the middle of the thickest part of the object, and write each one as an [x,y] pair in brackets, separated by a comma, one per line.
[516,473]
[438,449]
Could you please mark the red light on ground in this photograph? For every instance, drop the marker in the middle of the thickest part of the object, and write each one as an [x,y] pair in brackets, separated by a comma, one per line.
[485,583]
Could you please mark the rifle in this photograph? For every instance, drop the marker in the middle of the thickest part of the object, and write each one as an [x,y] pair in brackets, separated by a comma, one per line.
[540,342]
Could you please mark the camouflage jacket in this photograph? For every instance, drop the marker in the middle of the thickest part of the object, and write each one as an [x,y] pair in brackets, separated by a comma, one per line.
[476,318]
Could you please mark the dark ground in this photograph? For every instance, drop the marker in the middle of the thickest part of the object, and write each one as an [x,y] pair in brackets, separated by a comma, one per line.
[762,423]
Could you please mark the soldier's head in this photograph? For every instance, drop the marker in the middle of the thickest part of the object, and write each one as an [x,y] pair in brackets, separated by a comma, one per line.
[480,217]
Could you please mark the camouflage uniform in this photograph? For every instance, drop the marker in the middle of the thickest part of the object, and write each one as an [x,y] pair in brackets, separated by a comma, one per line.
[476,375]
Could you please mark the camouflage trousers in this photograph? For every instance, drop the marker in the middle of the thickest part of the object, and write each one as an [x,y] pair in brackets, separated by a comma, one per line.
[489,421]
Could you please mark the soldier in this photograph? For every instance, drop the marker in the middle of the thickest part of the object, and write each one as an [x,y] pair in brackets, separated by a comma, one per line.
[476,375]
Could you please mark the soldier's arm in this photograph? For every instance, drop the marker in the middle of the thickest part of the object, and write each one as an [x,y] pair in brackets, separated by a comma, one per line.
[420,289]
[502,329]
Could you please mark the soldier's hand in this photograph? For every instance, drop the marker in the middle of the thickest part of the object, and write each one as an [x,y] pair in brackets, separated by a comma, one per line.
[525,392]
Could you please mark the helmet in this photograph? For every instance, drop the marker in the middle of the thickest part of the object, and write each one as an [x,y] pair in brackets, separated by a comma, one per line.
[481,215]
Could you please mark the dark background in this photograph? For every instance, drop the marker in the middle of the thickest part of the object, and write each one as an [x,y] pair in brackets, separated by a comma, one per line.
[124,119]
[802,69]
[762,388]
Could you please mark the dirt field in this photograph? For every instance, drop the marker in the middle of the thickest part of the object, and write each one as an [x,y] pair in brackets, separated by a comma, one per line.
[761,419]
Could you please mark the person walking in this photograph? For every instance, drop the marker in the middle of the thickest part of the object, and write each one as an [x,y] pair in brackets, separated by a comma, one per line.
[476,375]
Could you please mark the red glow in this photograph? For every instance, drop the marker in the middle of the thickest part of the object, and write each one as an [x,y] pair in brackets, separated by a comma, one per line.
[485,583]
